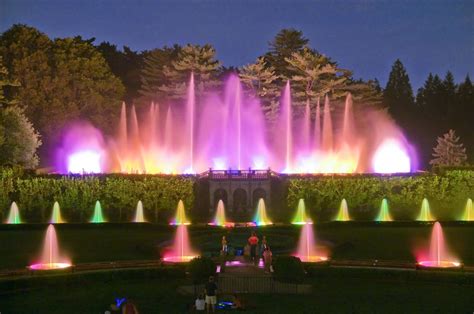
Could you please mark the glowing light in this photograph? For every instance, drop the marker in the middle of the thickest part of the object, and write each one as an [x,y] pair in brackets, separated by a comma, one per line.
[219,164]
[14,216]
[97,217]
[391,157]
[438,255]
[219,219]
[384,213]
[259,163]
[261,218]
[56,216]
[468,211]
[181,250]
[425,213]
[301,218]
[139,216]
[180,218]
[50,258]
[84,162]
[343,214]
[307,250]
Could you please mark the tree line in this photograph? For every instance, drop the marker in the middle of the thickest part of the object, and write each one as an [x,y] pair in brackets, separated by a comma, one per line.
[51,82]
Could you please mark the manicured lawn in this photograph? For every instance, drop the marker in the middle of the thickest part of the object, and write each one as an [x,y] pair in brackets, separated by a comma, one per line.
[83,243]
[354,292]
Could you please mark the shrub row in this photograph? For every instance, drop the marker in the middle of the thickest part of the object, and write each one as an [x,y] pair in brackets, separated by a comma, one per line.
[446,192]
[77,195]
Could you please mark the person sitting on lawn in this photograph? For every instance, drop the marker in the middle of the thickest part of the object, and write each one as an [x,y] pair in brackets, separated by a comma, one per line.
[200,304]
[237,303]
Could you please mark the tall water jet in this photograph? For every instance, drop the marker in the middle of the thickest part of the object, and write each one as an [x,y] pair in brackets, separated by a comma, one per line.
[238,104]
[327,138]
[384,213]
[301,218]
[14,215]
[50,258]
[219,219]
[343,214]
[261,218]
[307,250]
[180,218]
[468,211]
[317,127]
[306,142]
[425,213]
[97,217]
[190,105]
[181,250]
[56,215]
[348,122]
[287,119]
[438,255]
[139,217]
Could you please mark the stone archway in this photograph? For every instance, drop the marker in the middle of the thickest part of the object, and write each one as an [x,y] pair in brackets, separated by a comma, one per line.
[240,200]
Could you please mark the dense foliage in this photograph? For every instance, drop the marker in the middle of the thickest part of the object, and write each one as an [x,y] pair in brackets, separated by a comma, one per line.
[77,195]
[447,194]
[289,269]
[200,268]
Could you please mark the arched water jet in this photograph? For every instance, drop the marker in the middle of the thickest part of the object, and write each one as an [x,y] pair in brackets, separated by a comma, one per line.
[425,213]
[384,213]
[438,255]
[261,218]
[343,214]
[181,250]
[219,219]
[301,217]
[139,216]
[14,215]
[56,214]
[180,218]
[307,250]
[50,258]
[97,217]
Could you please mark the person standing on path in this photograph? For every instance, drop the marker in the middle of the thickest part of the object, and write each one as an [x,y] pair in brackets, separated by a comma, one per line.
[211,298]
[253,242]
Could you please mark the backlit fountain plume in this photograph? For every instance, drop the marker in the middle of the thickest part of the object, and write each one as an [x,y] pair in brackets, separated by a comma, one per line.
[139,217]
[51,258]
[181,250]
[425,213]
[468,211]
[438,255]
[56,215]
[14,216]
[228,129]
[307,250]
[97,217]
[261,218]
[343,214]
[384,213]
[180,218]
[219,218]
[301,218]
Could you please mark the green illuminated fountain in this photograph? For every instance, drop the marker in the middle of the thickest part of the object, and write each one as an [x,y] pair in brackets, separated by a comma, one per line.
[56,216]
[468,211]
[425,213]
[301,218]
[261,218]
[343,214]
[384,213]
[14,216]
[98,217]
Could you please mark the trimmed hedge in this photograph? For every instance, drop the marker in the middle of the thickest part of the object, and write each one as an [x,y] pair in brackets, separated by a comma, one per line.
[77,195]
[447,194]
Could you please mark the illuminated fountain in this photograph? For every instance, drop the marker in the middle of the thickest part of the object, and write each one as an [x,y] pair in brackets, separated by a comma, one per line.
[56,215]
[343,214]
[425,213]
[14,216]
[219,218]
[50,258]
[227,129]
[98,217]
[468,211]
[438,255]
[180,218]
[139,217]
[384,213]
[307,250]
[261,218]
[181,250]
[301,218]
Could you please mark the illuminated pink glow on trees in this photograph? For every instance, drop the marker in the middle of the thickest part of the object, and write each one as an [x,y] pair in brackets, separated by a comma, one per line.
[228,130]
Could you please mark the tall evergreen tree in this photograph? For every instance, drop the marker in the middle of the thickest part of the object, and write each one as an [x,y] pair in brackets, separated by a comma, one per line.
[449,151]
[398,95]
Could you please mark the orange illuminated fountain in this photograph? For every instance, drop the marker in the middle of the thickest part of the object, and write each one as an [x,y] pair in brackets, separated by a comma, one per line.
[307,249]
[181,251]
[438,255]
[219,219]
[50,258]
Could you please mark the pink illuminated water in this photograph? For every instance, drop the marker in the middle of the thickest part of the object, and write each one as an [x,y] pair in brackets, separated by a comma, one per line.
[181,250]
[50,258]
[438,254]
[307,250]
[227,129]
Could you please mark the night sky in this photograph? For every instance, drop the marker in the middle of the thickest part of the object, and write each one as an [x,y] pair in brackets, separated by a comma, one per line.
[364,36]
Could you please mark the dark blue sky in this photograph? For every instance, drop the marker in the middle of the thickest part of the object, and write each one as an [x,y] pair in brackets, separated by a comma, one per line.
[365,36]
